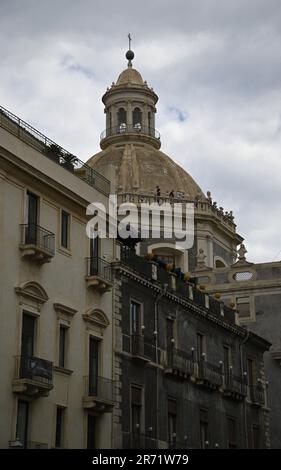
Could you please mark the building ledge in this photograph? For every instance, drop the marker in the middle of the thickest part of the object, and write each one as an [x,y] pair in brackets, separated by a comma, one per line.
[98,405]
[98,283]
[35,253]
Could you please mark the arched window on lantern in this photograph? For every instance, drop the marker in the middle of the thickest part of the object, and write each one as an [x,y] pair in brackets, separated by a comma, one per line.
[122,120]
[137,119]
[149,123]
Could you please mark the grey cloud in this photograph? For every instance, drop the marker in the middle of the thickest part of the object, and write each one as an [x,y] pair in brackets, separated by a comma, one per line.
[215,62]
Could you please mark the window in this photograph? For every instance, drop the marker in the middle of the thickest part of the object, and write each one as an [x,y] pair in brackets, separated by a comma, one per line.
[136,414]
[172,421]
[32,218]
[137,118]
[27,335]
[135,318]
[59,426]
[62,345]
[243,307]
[122,118]
[65,218]
[227,361]
[256,436]
[94,348]
[201,346]
[91,432]
[22,422]
[231,433]
[251,378]
[204,429]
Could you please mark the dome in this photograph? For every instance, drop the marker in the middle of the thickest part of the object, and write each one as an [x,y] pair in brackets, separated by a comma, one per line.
[130,75]
[139,168]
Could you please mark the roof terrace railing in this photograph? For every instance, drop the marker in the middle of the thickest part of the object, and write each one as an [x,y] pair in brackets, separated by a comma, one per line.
[31,136]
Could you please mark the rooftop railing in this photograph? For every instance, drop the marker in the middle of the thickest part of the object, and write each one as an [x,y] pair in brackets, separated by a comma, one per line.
[124,129]
[31,136]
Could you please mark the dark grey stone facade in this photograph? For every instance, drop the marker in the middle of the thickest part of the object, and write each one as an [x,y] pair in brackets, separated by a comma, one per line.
[181,366]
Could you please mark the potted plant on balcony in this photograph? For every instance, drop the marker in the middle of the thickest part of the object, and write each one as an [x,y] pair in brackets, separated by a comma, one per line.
[54,152]
[68,161]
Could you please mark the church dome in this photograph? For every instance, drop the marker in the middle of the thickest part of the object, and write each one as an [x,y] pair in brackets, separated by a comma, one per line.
[137,169]
[130,76]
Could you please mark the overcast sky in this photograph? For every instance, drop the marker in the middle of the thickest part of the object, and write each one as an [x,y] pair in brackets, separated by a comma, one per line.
[215,65]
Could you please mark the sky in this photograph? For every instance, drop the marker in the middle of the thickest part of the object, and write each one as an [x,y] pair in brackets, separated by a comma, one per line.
[215,65]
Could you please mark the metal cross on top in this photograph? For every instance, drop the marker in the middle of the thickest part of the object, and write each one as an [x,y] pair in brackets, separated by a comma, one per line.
[130,40]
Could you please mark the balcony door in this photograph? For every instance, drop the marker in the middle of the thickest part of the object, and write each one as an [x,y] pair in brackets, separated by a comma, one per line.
[93,366]
[22,422]
[32,218]
[94,255]
[27,335]
[27,344]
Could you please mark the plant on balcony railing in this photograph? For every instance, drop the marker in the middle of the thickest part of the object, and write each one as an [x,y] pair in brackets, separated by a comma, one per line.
[39,237]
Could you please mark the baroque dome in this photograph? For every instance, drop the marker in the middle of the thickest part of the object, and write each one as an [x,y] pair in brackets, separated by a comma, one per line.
[131,76]
[135,168]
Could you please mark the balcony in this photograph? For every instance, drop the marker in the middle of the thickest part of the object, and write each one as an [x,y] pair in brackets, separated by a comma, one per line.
[137,440]
[233,387]
[33,376]
[208,375]
[99,274]
[17,444]
[256,395]
[99,394]
[179,363]
[130,133]
[37,243]
[140,349]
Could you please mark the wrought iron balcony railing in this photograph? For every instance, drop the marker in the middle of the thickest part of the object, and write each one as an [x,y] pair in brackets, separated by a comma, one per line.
[141,347]
[34,369]
[233,386]
[51,150]
[100,388]
[209,374]
[124,129]
[257,395]
[178,361]
[99,267]
[38,237]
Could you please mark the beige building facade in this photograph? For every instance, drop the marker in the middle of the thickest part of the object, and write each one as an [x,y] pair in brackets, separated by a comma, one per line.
[55,297]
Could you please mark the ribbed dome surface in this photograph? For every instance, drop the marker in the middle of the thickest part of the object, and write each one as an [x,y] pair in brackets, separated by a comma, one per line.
[130,75]
[139,168]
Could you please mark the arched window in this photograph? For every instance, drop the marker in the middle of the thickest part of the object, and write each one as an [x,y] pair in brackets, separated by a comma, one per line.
[137,118]
[122,118]
[149,123]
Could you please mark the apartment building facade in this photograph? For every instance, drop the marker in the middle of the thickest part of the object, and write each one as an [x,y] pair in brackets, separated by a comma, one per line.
[189,376]
[55,297]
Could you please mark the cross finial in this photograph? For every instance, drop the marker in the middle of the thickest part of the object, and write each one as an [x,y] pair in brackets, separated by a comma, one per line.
[130,40]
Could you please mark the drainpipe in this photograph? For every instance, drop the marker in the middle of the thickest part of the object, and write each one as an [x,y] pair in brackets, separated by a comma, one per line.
[156,351]
[242,378]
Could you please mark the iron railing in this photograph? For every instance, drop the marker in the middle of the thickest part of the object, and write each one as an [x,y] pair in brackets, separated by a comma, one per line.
[38,236]
[234,384]
[210,373]
[99,267]
[35,369]
[180,360]
[257,395]
[124,129]
[32,137]
[140,346]
[99,387]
